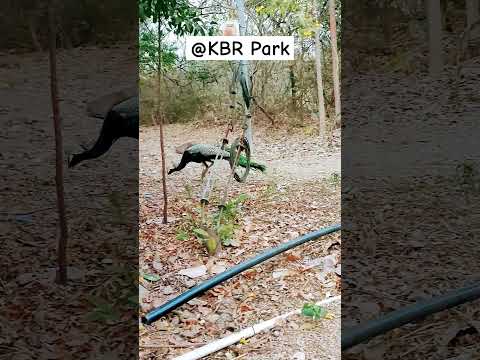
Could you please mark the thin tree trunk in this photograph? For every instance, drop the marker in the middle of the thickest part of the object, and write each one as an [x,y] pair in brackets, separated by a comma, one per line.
[160,121]
[301,78]
[293,88]
[335,65]
[434,16]
[472,12]
[321,100]
[164,177]
[63,239]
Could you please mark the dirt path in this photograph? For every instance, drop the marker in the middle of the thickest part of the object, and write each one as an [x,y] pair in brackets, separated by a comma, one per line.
[295,196]
[294,160]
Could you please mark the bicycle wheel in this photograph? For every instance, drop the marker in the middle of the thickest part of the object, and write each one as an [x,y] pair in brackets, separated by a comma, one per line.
[240,159]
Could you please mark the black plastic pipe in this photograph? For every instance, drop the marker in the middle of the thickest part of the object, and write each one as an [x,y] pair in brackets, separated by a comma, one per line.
[397,318]
[157,313]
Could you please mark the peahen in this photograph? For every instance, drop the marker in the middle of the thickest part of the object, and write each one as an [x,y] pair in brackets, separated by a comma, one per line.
[206,153]
[121,121]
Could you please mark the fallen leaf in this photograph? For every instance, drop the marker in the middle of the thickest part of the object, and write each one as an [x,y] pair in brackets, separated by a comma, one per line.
[194,272]
[245,308]
[151,277]
[292,257]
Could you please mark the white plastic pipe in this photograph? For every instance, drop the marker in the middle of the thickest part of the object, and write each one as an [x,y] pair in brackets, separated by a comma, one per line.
[243,334]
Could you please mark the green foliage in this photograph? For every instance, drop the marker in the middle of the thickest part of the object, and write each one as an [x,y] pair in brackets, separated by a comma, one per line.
[182,235]
[199,71]
[291,16]
[209,239]
[310,130]
[151,277]
[314,311]
[335,179]
[178,16]
[219,226]
[226,233]
[200,233]
[180,109]
[148,52]
[231,210]
[196,90]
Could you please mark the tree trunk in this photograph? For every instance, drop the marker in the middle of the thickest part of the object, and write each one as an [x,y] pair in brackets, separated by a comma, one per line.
[321,101]
[63,238]
[335,61]
[472,8]
[160,122]
[434,16]
[293,87]
[164,176]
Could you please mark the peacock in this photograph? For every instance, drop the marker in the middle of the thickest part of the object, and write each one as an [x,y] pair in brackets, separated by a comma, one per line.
[121,121]
[206,154]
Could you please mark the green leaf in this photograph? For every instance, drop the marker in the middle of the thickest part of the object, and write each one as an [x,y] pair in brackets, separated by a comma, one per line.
[241,198]
[314,311]
[151,277]
[200,233]
[182,235]
[226,232]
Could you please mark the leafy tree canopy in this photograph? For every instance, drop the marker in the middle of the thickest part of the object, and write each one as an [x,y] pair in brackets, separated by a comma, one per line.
[178,16]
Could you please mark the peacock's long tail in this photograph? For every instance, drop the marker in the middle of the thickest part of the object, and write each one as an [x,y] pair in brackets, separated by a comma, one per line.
[210,151]
[242,161]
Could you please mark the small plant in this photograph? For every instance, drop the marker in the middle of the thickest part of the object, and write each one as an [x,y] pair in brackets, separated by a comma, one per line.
[314,311]
[334,179]
[231,210]
[216,229]
[226,233]
[310,130]
[209,238]
[182,235]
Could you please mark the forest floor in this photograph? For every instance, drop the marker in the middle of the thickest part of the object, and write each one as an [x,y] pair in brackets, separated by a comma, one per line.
[39,317]
[299,193]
